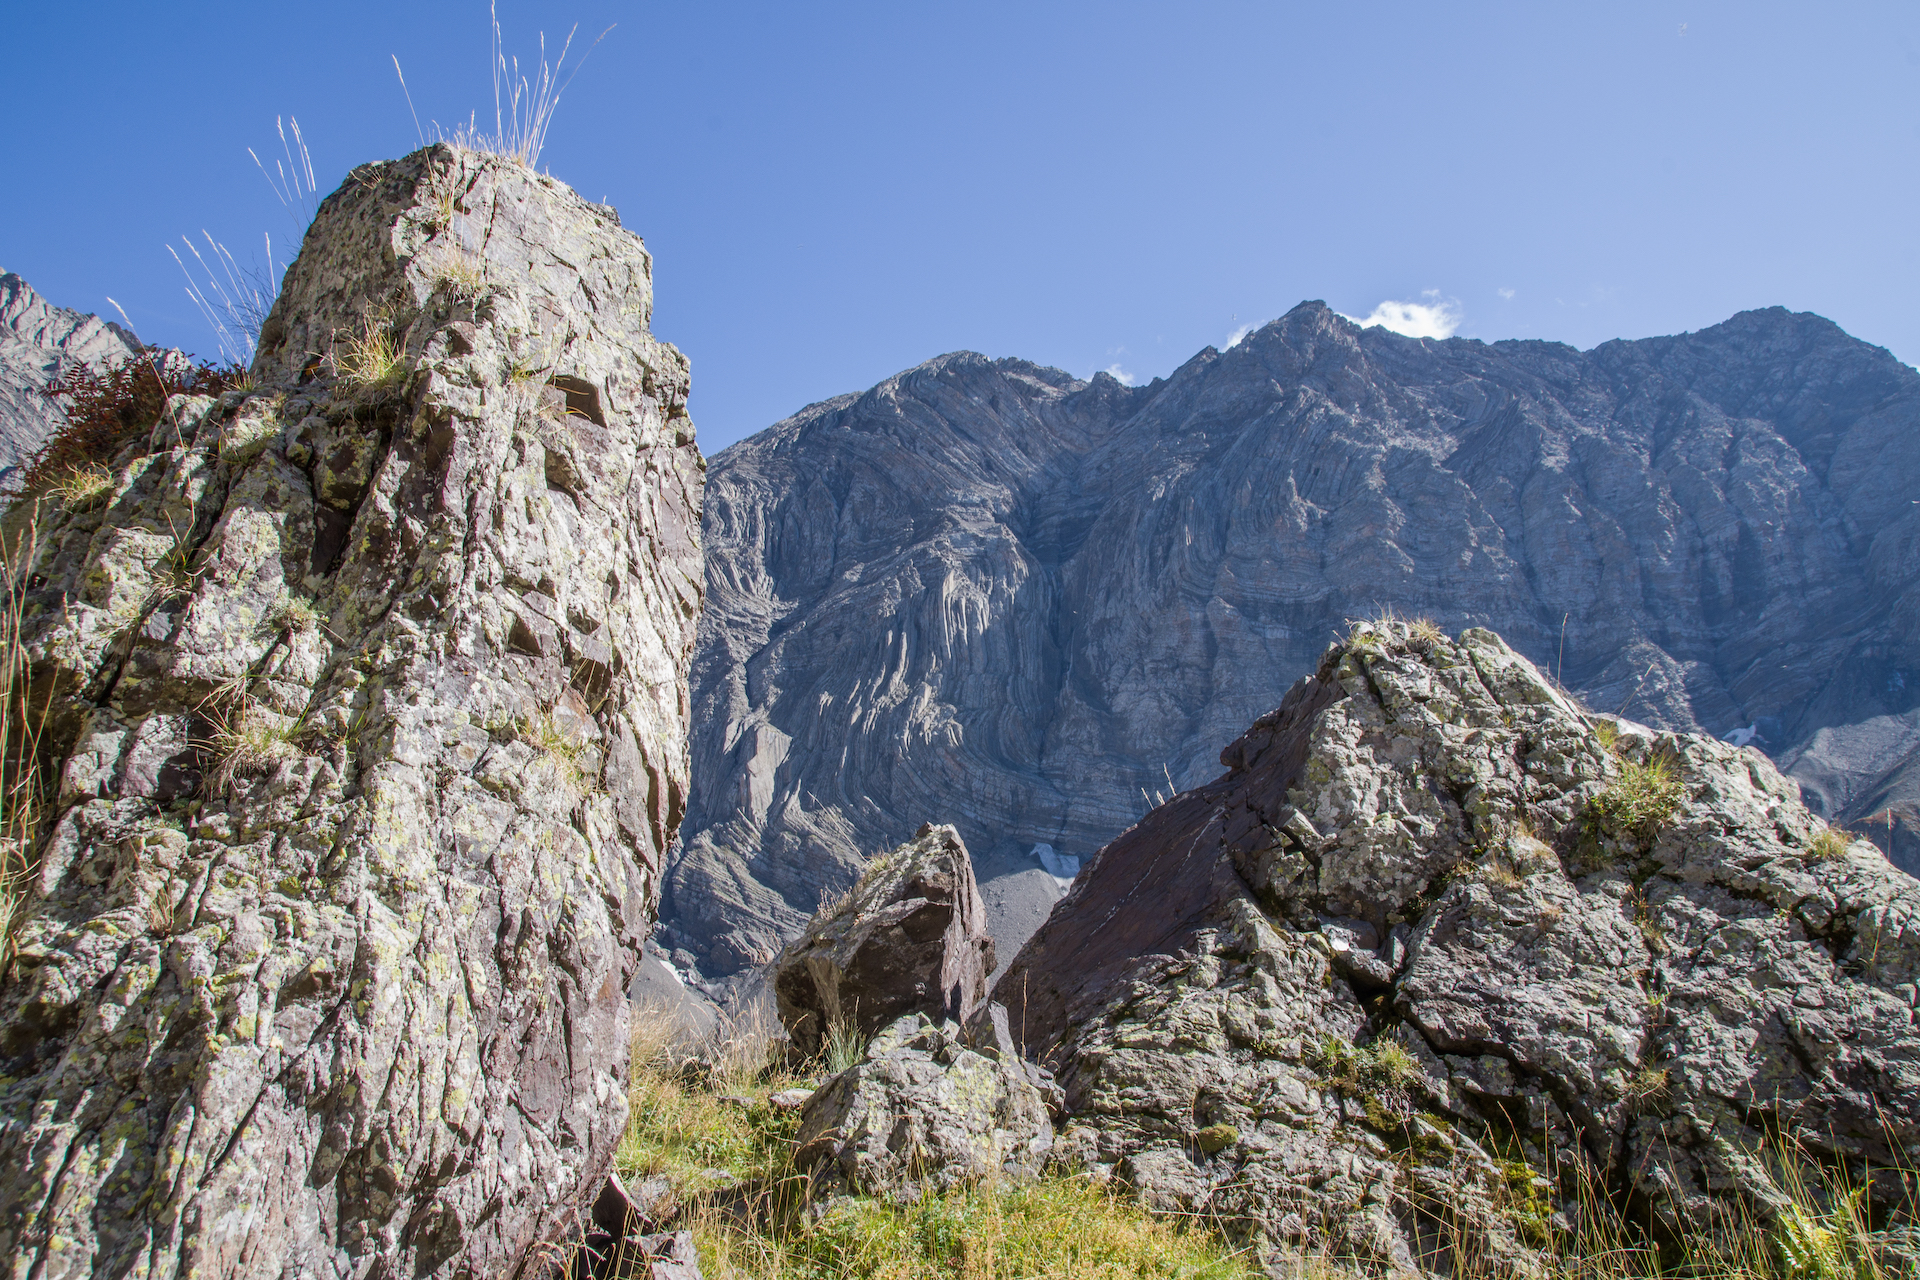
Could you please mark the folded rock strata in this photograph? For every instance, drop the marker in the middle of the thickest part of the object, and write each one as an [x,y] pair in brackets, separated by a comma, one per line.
[367,722]
[910,937]
[1410,971]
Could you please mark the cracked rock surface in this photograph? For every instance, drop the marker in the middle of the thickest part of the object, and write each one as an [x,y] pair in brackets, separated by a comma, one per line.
[1407,953]
[367,737]
[910,937]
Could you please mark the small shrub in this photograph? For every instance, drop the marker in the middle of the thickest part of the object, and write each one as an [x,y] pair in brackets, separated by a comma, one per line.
[369,356]
[297,616]
[108,409]
[1829,845]
[1641,799]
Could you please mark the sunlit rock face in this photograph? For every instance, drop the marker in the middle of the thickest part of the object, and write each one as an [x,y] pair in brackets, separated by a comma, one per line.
[1408,983]
[366,739]
[987,593]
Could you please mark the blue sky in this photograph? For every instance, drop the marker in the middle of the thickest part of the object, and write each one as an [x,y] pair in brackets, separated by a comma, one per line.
[836,192]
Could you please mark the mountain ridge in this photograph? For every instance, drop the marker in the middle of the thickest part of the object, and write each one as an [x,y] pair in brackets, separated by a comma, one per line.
[991,593]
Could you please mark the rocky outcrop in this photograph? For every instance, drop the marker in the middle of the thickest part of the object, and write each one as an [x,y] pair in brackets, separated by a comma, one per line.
[40,342]
[910,937]
[1440,949]
[991,594]
[367,713]
[925,1111]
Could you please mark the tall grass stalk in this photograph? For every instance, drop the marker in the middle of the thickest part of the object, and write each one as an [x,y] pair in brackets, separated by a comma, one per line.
[522,108]
[23,780]
[236,307]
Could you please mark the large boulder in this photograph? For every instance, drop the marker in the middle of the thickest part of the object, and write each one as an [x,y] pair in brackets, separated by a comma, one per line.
[909,937]
[927,1109]
[1438,937]
[367,706]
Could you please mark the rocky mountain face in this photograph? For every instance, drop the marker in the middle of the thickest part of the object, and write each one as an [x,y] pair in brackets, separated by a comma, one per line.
[38,343]
[366,703]
[990,594]
[1442,959]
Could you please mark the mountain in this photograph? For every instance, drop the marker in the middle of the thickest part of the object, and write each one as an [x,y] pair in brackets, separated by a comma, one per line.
[988,593]
[38,343]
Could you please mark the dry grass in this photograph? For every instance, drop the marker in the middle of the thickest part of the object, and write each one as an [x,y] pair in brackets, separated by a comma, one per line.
[1642,798]
[24,780]
[1829,845]
[368,356]
[562,750]
[460,274]
[81,485]
[297,616]
[249,741]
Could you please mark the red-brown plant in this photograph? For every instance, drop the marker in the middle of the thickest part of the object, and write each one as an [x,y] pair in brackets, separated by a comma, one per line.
[106,408]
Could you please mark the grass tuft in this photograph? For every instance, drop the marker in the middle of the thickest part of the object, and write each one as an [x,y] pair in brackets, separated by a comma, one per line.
[368,356]
[1829,845]
[81,485]
[1642,798]
[249,742]
[563,750]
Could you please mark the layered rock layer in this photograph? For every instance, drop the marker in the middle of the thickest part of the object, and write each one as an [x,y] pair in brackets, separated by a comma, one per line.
[366,709]
[1442,959]
[988,593]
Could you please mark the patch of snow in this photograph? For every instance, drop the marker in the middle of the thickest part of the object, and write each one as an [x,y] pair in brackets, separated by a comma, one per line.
[1062,867]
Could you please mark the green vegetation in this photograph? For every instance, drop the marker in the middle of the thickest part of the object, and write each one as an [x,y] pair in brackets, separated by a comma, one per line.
[1381,1067]
[460,275]
[709,1129]
[250,741]
[297,616]
[562,749]
[1642,798]
[1829,845]
[25,781]
[369,356]
[105,411]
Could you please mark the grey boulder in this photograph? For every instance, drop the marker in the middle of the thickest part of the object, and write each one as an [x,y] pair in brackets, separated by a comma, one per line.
[1420,945]
[367,714]
[910,937]
[925,1111]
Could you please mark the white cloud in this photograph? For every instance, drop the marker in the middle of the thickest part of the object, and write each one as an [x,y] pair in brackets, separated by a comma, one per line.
[1437,317]
[1505,294]
[1234,338]
[1121,375]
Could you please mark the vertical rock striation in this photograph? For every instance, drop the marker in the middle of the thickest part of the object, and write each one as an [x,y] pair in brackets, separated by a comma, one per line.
[367,731]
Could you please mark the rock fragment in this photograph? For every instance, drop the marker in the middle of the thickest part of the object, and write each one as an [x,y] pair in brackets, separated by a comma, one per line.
[910,937]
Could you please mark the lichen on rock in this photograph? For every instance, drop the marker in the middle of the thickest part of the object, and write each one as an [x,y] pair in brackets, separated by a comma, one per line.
[1403,981]
[368,713]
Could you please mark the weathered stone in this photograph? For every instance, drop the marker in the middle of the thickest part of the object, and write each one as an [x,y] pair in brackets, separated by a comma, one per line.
[923,1111]
[40,342]
[1400,955]
[326,971]
[1003,597]
[911,937]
